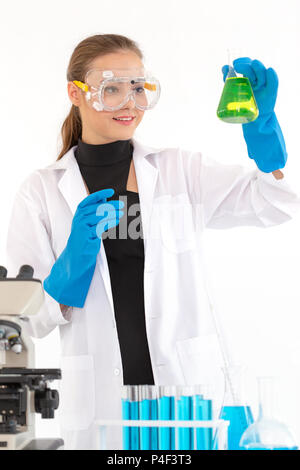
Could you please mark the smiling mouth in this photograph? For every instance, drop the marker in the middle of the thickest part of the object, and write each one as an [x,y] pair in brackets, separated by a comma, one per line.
[130,118]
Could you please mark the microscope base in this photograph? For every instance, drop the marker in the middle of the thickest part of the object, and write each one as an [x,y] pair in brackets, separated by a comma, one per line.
[25,441]
[44,444]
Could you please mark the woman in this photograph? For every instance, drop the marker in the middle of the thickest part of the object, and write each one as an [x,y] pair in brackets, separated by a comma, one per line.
[132,309]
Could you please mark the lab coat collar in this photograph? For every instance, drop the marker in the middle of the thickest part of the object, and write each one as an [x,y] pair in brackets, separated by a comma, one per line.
[72,186]
[68,160]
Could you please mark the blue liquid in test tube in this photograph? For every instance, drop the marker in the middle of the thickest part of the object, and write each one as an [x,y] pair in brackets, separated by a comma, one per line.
[185,411]
[134,415]
[203,411]
[166,411]
[126,415]
[148,411]
[154,415]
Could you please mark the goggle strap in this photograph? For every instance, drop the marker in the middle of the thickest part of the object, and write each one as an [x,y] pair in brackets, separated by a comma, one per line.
[150,86]
[81,85]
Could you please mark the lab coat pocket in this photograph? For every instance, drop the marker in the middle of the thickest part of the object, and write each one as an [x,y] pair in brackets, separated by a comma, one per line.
[77,392]
[177,228]
[200,359]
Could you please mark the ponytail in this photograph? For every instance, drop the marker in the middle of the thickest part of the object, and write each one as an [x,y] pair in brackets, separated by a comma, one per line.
[71,130]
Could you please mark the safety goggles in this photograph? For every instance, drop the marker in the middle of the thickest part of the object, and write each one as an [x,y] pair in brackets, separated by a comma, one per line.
[110,90]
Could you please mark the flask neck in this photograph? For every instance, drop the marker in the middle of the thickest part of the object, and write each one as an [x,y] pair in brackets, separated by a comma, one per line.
[231,71]
[266,396]
[235,383]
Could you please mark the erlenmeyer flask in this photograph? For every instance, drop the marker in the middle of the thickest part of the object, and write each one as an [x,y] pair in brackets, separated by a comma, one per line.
[236,408]
[237,104]
[266,433]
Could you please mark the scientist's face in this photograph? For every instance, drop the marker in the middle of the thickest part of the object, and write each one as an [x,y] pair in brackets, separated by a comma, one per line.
[99,127]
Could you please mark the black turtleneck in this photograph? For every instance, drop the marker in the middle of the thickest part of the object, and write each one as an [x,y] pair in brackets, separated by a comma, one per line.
[107,166]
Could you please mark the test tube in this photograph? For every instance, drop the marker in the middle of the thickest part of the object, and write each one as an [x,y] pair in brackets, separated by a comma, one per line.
[166,411]
[185,411]
[126,415]
[148,410]
[203,411]
[134,414]
[154,415]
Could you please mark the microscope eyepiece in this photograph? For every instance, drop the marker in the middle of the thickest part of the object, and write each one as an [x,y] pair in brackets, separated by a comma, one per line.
[3,272]
[25,272]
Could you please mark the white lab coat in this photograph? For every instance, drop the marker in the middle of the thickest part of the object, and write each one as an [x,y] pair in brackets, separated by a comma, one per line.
[181,328]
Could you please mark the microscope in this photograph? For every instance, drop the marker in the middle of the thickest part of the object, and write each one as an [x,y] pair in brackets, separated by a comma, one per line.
[24,390]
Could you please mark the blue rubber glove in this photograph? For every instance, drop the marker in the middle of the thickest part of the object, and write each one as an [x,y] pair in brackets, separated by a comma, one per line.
[264,138]
[72,273]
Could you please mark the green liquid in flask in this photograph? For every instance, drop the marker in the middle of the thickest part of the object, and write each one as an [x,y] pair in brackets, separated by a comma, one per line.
[237,103]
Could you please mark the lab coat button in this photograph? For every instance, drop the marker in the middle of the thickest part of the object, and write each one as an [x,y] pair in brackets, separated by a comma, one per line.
[148,269]
[117,371]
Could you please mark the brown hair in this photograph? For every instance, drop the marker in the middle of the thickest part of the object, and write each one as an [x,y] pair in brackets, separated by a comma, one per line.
[84,53]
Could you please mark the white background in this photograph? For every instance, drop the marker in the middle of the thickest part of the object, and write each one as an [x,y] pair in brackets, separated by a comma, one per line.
[254,272]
